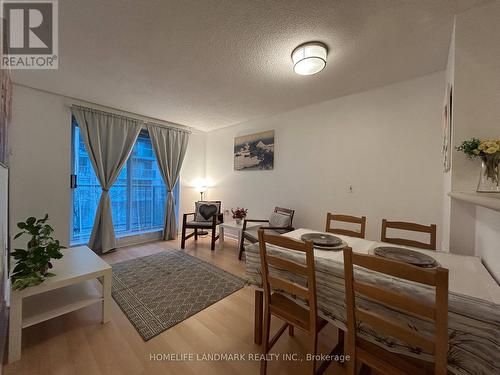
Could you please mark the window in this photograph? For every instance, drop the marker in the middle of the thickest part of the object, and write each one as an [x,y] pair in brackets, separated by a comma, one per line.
[137,197]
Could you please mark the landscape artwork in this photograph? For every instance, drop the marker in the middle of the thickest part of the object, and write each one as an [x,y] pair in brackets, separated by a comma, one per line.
[254,151]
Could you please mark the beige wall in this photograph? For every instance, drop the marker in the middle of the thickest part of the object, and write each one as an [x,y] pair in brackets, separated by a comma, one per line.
[40,143]
[386,143]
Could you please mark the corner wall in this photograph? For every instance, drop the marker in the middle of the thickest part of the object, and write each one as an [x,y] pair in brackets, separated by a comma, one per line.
[385,142]
[474,65]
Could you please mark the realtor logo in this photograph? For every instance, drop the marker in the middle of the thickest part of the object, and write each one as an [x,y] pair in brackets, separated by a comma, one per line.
[30,39]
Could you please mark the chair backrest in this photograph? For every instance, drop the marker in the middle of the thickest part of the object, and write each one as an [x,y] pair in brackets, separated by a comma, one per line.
[285,211]
[347,219]
[217,203]
[307,271]
[437,312]
[403,225]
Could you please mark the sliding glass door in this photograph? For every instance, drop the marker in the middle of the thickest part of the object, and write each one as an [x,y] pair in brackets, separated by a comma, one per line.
[137,198]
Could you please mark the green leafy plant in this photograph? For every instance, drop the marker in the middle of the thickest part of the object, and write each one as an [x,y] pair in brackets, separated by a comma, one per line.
[33,263]
[469,147]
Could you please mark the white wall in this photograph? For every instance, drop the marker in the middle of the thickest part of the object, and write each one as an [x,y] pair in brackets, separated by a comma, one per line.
[475,71]
[477,86]
[487,239]
[386,143]
[40,143]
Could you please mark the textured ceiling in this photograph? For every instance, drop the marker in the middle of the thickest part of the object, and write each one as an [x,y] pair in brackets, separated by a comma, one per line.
[215,63]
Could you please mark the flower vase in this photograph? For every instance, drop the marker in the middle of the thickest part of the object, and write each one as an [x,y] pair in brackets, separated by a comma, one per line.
[489,176]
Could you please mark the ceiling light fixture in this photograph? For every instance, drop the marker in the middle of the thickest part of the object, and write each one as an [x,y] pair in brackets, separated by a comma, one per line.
[309,58]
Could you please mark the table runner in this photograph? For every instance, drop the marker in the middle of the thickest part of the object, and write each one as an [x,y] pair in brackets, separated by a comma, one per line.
[473,324]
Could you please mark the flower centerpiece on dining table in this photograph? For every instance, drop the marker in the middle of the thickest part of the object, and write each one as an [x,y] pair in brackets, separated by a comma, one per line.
[239,214]
[488,151]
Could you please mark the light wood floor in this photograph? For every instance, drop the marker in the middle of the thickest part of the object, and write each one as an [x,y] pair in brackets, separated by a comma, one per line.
[77,343]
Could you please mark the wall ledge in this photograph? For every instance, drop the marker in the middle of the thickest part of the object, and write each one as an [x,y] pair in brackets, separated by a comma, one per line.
[488,200]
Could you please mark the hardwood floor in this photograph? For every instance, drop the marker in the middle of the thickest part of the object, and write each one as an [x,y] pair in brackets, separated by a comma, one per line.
[77,343]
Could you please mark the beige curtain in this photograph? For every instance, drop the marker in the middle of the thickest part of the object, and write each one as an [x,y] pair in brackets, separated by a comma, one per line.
[109,140]
[170,148]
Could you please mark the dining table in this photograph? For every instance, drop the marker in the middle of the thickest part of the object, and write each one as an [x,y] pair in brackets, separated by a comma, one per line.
[473,301]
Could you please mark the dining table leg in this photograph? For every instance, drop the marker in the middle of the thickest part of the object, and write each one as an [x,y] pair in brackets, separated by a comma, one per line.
[259,302]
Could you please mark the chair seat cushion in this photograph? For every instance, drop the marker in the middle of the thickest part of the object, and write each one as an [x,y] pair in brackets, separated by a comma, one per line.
[252,234]
[207,224]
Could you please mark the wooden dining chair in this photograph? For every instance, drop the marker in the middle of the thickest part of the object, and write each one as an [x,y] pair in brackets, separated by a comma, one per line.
[374,356]
[346,219]
[278,305]
[403,225]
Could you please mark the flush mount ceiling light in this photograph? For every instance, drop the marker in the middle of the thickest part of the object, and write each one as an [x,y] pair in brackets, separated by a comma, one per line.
[309,58]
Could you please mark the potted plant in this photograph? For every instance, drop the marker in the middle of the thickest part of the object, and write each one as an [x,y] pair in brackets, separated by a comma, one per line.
[33,263]
[239,214]
[488,151]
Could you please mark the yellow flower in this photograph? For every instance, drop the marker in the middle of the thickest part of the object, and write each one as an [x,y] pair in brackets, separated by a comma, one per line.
[491,150]
[476,151]
[481,146]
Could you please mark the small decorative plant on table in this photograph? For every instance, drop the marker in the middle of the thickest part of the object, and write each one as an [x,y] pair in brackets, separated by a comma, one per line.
[239,214]
[33,263]
[488,151]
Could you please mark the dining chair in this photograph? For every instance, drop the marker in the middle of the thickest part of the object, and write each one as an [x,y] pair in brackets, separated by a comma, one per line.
[374,356]
[346,219]
[408,226]
[278,305]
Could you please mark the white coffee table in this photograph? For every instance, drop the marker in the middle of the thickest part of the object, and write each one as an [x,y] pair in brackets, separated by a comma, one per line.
[231,226]
[73,287]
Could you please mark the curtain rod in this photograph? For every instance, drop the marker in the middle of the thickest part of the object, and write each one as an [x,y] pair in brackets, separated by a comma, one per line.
[138,118]
[70,101]
[130,115]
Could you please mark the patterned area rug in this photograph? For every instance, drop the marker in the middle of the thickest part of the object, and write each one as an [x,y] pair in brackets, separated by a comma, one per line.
[158,291]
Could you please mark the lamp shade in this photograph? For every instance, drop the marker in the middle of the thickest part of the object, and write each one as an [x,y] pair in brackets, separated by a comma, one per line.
[309,58]
[201,185]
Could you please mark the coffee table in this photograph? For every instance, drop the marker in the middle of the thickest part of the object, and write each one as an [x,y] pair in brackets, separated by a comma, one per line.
[232,226]
[73,287]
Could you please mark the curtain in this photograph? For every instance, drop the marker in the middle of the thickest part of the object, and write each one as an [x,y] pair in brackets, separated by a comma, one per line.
[170,148]
[109,140]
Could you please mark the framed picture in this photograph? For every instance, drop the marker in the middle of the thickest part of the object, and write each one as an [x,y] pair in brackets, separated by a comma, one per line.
[254,151]
[447,128]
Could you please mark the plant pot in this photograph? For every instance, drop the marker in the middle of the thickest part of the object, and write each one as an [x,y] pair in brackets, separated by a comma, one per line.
[238,221]
[489,176]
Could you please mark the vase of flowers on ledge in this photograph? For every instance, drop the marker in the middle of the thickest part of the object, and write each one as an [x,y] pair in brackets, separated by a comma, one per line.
[239,214]
[488,151]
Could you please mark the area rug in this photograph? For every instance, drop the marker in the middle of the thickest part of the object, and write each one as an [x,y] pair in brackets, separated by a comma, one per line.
[158,291]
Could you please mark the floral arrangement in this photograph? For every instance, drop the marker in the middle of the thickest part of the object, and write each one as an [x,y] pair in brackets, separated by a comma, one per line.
[239,213]
[489,152]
